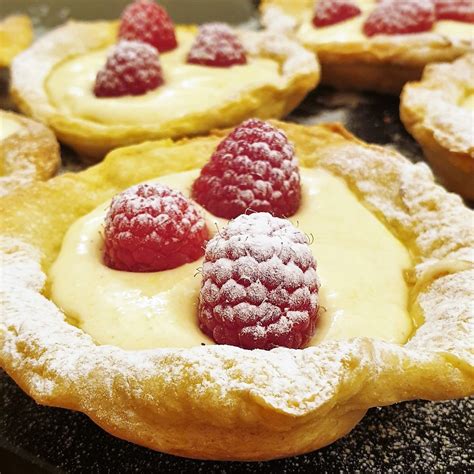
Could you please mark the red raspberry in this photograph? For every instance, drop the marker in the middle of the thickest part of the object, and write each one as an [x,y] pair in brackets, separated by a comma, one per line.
[459,10]
[394,17]
[132,68]
[217,45]
[259,287]
[150,23]
[329,12]
[150,227]
[253,169]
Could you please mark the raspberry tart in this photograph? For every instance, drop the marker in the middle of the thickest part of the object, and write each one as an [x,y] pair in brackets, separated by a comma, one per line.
[271,336]
[16,34]
[439,112]
[375,45]
[100,85]
[28,152]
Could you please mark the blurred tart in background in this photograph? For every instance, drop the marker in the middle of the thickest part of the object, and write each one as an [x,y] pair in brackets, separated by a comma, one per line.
[29,152]
[100,85]
[16,34]
[438,111]
[375,45]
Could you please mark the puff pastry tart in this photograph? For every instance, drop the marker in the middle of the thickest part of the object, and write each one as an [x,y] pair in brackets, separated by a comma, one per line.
[28,152]
[360,298]
[375,45]
[439,112]
[16,34]
[98,95]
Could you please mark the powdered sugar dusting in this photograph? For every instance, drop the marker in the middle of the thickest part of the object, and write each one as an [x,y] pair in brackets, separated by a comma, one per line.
[393,17]
[260,287]
[150,227]
[217,45]
[132,67]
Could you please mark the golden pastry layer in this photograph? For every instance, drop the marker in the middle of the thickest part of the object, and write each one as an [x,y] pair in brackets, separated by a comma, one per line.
[28,152]
[438,111]
[351,60]
[16,34]
[52,82]
[221,402]
[151,310]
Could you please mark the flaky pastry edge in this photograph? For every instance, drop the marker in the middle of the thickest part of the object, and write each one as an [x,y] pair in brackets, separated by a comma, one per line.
[93,139]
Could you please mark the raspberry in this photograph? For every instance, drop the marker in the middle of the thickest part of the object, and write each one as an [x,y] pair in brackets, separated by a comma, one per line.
[150,227]
[132,68]
[393,17]
[259,287]
[217,45]
[254,169]
[329,12]
[150,23]
[459,10]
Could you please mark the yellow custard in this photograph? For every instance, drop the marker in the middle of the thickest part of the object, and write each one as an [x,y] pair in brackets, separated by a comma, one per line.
[187,89]
[468,102]
[8,127]
[351,31]
[360,263]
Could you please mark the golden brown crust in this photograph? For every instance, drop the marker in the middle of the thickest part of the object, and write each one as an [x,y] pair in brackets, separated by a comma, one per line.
[16,34]
[431,112]
[381,63]
[221,402]
[29,154]
[93,139]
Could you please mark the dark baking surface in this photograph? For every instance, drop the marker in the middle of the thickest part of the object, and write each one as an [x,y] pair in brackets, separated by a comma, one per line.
[410,437]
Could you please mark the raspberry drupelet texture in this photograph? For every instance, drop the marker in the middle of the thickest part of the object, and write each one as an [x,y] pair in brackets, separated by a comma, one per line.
[393,17]
[146,21]
[132,68]
[150,227]
[254,169]
[217,45]
[259,287]
[330,12]
[458,10]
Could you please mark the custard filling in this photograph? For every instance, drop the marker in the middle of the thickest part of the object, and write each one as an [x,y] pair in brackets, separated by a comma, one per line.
[361,266]
[467,102]
[351,30]
[188,88]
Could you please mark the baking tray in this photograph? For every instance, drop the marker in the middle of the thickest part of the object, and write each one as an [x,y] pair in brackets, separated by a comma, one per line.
[408,437]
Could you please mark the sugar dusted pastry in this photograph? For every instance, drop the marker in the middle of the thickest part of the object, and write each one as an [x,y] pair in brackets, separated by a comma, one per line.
[16,34]
[439,112]
[375,45]
[375,255]
[28,152]
[210,77]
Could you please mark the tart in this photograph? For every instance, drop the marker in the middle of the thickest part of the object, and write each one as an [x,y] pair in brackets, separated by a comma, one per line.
[16,34]
[53,81]
[353,56]
[28,152]
[207,401]
[439,112]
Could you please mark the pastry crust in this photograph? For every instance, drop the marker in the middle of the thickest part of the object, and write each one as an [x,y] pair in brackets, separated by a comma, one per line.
[29,154]
[223,402]
[298,68]
[382,63]
[431,111]
[16,34]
